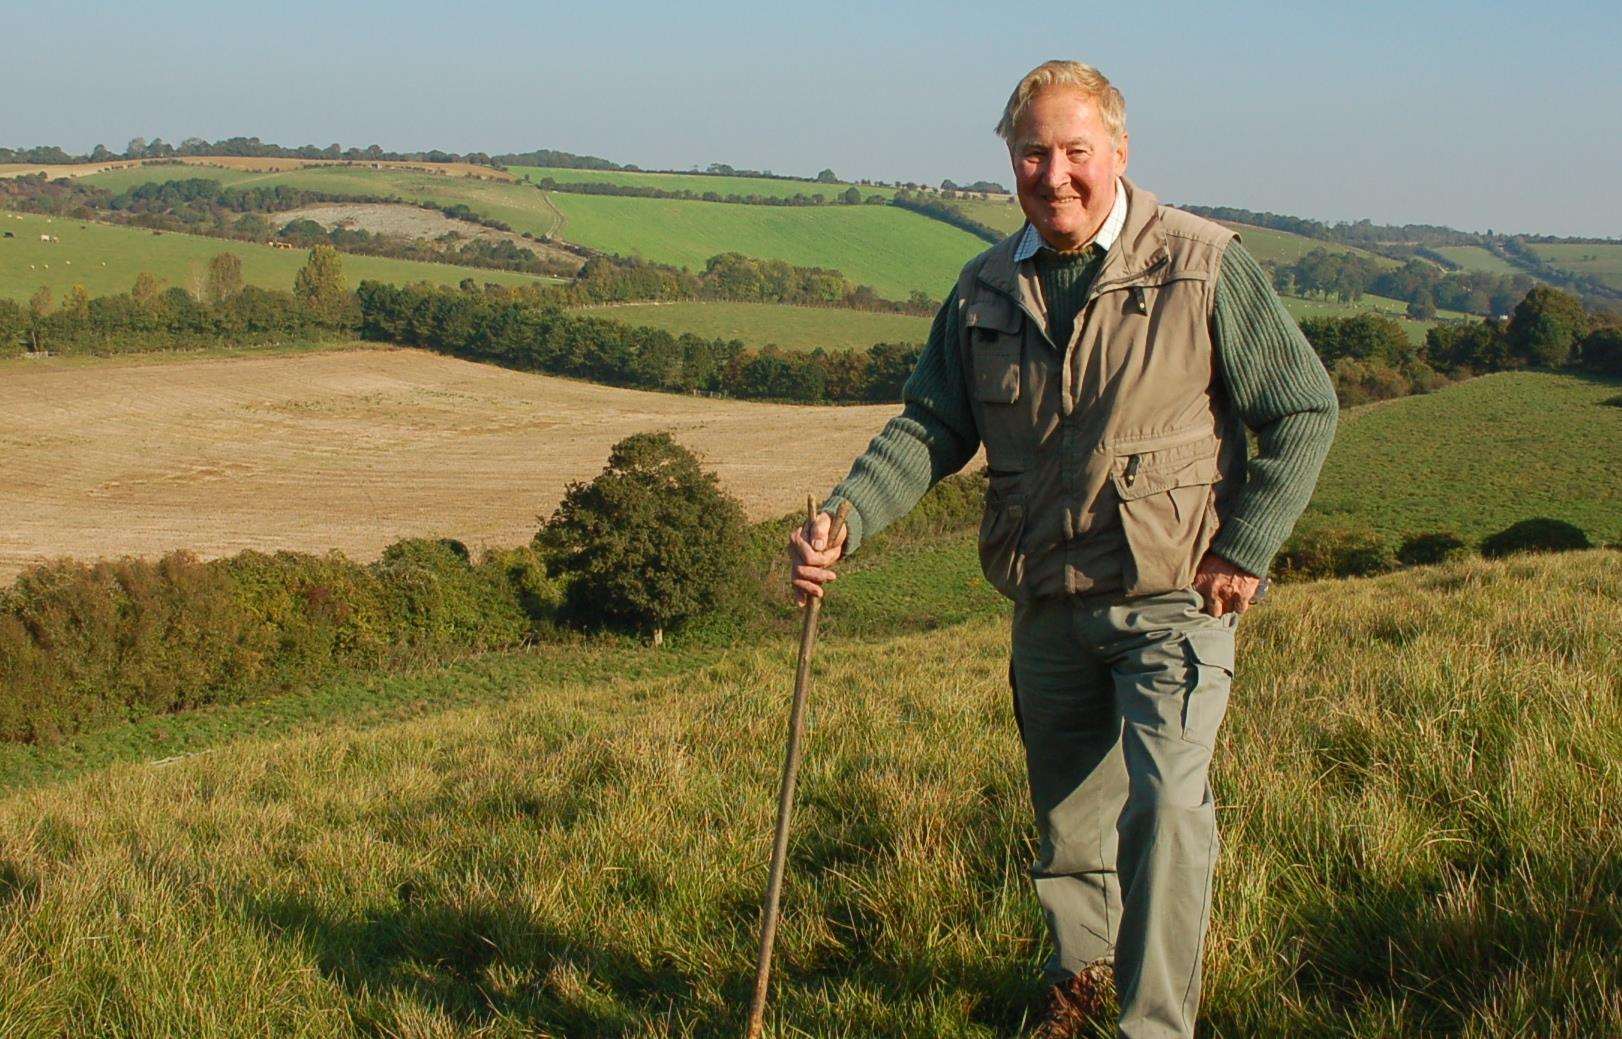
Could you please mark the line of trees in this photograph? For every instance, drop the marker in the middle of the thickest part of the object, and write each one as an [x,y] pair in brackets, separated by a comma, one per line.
[151,317]
[935,209]
[1371,358]
[851,196]
[525,329]
[202,206]
[239,147]
[1426,288]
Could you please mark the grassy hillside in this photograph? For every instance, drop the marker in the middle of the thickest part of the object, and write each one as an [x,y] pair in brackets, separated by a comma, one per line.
[519,205]
[105,258]
[1370,304]
[1001,216]
[700,182]
[1600,261]
[1283,247]
[1480,455]
[890,249]
[757,324]
[1477,258]
[1418,790]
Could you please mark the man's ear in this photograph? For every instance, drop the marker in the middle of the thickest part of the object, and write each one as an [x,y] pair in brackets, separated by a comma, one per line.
[1121,154]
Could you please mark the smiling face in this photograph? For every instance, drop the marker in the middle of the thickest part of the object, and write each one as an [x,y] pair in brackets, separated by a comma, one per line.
[1065,166]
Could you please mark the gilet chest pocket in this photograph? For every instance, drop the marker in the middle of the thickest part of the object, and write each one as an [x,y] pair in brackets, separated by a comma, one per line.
[996,369]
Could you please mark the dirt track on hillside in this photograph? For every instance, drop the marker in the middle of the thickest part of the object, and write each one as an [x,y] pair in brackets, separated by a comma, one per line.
[407,221]
[352,449]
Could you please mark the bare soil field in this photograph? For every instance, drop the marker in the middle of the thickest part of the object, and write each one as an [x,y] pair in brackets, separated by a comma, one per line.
[261,165]
[388,218]
[352,449]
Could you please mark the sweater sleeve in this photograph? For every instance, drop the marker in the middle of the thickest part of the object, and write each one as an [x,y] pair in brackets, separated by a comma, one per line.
[1279,388]
[933,437]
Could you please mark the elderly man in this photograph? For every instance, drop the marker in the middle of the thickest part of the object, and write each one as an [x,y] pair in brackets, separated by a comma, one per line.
[1109,356]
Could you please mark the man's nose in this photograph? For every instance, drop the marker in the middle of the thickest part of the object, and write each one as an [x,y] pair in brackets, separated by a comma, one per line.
[1056,172]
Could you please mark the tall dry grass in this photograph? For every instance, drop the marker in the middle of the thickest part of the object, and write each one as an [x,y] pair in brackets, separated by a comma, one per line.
[1419,781]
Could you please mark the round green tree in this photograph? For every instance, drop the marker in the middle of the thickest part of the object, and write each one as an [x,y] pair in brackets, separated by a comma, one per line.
[320,284]
[650,543]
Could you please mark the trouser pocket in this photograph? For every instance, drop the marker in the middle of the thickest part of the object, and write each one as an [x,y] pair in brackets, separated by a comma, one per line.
[1210,652]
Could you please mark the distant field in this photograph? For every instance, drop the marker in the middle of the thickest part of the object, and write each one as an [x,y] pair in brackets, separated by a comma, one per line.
[352,449]
[1600,261]
[1000,216]
[1283,247]
[757,324]
[699,182]
[519,205]
[890,249]
[1395,309]
[1480,455]
[1477,258]
[105,258]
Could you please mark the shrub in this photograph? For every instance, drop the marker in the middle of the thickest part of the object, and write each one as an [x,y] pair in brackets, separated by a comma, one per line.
[652,542]
[91,644]
[1535,535]
[1430,548]
[1334,550]
[1600,351]
[437,601]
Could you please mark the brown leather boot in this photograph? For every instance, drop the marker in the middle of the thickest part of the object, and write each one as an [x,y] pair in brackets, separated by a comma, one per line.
[1071,1005]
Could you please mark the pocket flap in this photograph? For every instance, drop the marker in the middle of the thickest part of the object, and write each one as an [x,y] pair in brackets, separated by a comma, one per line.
[1152,475]
[992,312]
[1212,647]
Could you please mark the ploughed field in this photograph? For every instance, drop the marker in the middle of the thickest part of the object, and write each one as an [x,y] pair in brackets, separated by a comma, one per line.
[105,258]
[351,449]
[1417,781]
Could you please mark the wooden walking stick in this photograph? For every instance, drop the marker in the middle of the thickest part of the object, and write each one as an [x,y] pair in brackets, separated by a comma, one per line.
[785,796]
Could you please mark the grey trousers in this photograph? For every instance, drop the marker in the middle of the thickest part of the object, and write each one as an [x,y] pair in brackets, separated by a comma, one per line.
[1118,701]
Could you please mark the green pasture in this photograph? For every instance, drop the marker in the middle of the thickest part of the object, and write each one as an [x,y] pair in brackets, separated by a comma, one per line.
[760,324]
[1417,789]
[105,258]
[1477,258]
[1284,247]
[1395,309]
[890,249]
[519,205]
[769,187]
[894,251]
[1004,216]
[1602,261]
[1479,455]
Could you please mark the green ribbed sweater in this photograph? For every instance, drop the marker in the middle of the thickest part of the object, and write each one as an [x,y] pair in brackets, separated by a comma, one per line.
[1275,383]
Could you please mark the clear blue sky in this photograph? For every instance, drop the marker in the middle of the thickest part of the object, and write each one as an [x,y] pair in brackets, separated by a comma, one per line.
[1506,116]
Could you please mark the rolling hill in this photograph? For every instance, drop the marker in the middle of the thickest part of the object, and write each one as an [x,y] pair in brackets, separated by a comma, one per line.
[1599,260]
[892,250]
[579,849]
[1479,455]
[770,187]
[105,258]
